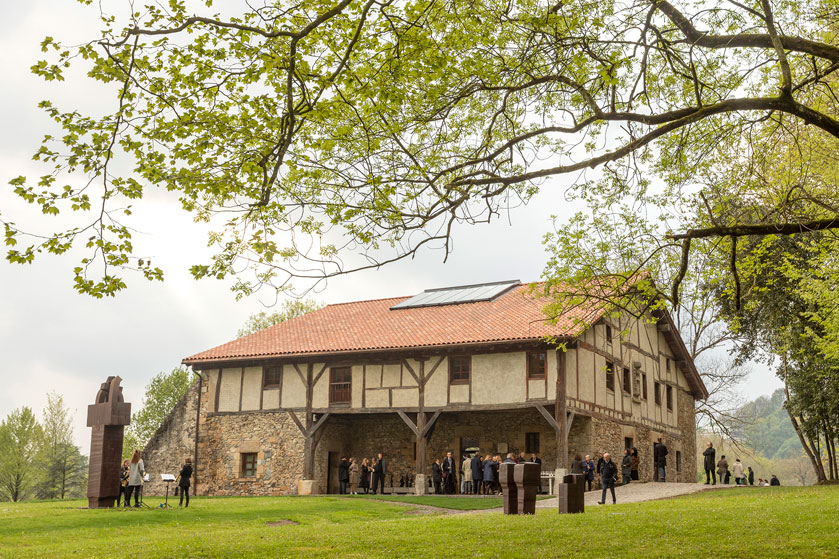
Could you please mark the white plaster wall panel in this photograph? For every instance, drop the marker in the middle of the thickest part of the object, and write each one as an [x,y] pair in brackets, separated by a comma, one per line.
[392,375]
[231,380]
[586,374]
[374,376]
[405,397]
[320,398]
[498,378]
[294,391]
[459,394]
[357,385]
[536,389]
[407,377]
[271,399]
[251,388]
[551,364]
[212,383]
[378,398]
[436,389]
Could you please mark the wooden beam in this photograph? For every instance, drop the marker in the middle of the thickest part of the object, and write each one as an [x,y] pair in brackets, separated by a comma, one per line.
[300,374]
[430,424]
[548,417]
[571,415]
[408,422]
[319,424]
[320,374]
[297,422]
[560,411]
[411,371]
[433,370]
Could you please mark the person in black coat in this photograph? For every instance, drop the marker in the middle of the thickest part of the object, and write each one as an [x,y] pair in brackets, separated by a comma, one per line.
[343,475]
[183,481]
[379,471]
[626,466]
[608,477]
[774,481]
[660,457]
[449,474]
[477,473]
[710,455]
[437,476]
[751,475]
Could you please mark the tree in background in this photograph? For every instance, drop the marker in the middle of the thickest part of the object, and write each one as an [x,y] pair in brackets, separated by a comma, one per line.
[325,137]
[21,438]
[162,394]
[62,467]
[289,309]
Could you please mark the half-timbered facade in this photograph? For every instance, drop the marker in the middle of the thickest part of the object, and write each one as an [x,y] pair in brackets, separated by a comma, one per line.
[273,412]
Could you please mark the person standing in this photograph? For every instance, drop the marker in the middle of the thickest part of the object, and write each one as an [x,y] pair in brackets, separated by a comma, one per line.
[636,463]
[751,475]
[489,476]
[738,471]
[626,467]
[437,476]
[355,476]
[123,482]
[477,473]
[183,481]
[365,475]
[660,458]
[379,471]
[343,475]
[136,471]
[449,474]
[722,470]
[608,477]
[589,471]
[710,455]
[577,465]
[774,482]
[466,476]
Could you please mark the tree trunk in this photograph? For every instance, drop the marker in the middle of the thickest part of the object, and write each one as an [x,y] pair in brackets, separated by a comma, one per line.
[817,465]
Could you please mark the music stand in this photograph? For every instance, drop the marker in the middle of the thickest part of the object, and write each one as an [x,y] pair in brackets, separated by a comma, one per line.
[168,478]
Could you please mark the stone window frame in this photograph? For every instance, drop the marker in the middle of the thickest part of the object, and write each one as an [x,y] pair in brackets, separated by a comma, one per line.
[460,374]
[610,376]
[669,397]
[248,462]
[678,461]
[657,393]
[530,373]
[268,372]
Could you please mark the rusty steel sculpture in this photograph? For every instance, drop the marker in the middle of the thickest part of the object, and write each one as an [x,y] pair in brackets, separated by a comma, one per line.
[108,418]
[519,484]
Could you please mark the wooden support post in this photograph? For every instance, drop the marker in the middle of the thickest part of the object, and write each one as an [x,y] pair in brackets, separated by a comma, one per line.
[560,412]
[422,441]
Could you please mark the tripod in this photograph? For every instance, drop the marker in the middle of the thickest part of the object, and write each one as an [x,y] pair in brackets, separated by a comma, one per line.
[142,501]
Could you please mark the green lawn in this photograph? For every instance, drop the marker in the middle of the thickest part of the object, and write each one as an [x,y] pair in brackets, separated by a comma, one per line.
[760,522]
[444,501]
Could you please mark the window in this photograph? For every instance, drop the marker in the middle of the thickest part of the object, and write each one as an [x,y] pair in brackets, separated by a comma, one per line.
[340,385]
[678,461]
[667,365]
[248,461]
[644,384]
[669,398]
[610,376]
[271,377]
[460,368]
[627,382]
[627,443]
[657,393]
[537,365]
[531,443]
[608,334]
[636,383]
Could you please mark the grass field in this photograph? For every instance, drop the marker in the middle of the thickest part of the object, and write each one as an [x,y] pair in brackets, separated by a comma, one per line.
[760,522]
[445,502]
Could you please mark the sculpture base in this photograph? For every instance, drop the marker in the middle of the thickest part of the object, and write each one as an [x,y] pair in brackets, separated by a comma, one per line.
[101,502]
[307,487]
[559,475]
[420,485]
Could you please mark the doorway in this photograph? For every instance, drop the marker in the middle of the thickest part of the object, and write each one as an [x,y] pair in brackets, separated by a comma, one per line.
[332,473]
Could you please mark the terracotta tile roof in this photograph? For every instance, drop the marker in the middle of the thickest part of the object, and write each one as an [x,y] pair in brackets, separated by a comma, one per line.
[372,326]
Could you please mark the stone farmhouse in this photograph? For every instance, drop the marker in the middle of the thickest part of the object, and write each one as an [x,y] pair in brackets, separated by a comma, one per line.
[413,377]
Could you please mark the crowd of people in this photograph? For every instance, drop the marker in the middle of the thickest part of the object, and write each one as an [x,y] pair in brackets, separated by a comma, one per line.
[743,475]
[133,473]
[367,476]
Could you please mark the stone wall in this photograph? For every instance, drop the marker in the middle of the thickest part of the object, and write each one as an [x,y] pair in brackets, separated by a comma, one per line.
[687,427]
[172,443]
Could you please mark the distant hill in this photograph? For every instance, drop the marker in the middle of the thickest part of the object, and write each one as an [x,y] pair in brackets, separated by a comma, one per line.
[769,430]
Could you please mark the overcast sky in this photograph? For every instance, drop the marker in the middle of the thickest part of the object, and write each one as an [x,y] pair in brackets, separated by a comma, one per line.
[51,338]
